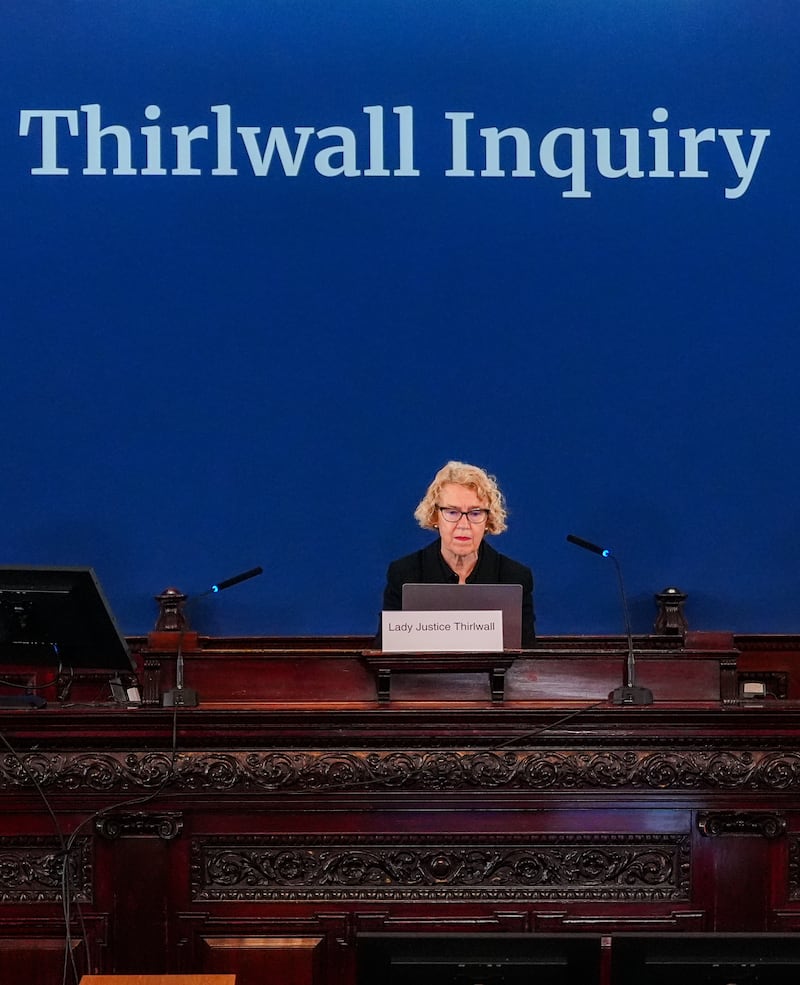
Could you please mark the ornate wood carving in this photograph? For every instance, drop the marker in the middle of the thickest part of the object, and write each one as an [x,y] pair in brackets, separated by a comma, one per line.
[794,868]
[32,870]
[718,824]
[165,826]
[322,770]
[559,867]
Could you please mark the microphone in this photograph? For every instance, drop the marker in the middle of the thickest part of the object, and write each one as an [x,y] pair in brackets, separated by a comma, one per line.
[230,582]
[186,697]
[588,545]
[628,693]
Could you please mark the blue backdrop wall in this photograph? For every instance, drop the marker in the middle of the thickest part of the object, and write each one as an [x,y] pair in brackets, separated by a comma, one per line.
[270,263]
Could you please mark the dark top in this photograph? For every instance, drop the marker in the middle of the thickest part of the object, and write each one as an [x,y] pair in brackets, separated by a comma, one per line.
[429,567]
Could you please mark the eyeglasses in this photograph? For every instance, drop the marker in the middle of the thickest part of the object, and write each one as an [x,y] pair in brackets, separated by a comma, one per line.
[452,515]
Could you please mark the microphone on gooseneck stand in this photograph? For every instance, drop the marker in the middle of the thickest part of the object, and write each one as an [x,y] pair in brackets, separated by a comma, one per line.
[186,697]
[628,693]
[230,582]
[587,545]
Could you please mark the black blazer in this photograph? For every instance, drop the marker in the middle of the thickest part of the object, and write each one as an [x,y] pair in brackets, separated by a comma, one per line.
[429,567]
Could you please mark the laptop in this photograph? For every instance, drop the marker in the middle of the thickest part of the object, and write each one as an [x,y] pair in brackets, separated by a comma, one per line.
[507,598]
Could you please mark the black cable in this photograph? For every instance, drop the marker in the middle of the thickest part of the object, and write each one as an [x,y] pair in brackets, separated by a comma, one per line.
[65,850]
[550,725]
[67,845]
[354,784]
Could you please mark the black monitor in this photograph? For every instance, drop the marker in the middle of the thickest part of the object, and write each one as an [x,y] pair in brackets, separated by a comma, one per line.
[58,617]
[705,959]
[479,959]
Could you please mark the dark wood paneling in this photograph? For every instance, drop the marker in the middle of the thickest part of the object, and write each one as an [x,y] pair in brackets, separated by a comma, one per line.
[266,830]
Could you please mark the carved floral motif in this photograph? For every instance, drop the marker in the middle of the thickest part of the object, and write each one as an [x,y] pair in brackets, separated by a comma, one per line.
[794,868]
[720,824]
[32,871]
[165,826]
[558,867]
[611,769]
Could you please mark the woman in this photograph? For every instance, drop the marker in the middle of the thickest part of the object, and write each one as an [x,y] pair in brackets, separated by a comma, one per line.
[464,504]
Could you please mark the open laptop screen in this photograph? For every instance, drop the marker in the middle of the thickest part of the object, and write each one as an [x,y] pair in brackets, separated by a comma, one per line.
[507,598]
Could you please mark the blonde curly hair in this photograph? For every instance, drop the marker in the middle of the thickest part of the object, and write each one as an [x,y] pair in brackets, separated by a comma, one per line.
[475,478]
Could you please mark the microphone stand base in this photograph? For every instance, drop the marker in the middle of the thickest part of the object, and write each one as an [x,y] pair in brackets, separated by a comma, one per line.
[631,695]
[180,697]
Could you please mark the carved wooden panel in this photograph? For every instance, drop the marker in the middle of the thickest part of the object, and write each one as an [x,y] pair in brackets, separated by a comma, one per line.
[490,868]
[166,825]
[721,824]
[32,870]
[775,770]
[794,868]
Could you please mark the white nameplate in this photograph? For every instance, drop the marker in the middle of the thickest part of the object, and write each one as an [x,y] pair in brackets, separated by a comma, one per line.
[468,631]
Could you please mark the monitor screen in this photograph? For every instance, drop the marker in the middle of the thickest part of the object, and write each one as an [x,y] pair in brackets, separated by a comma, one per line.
[706,959]
[58,617]
[478,959]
